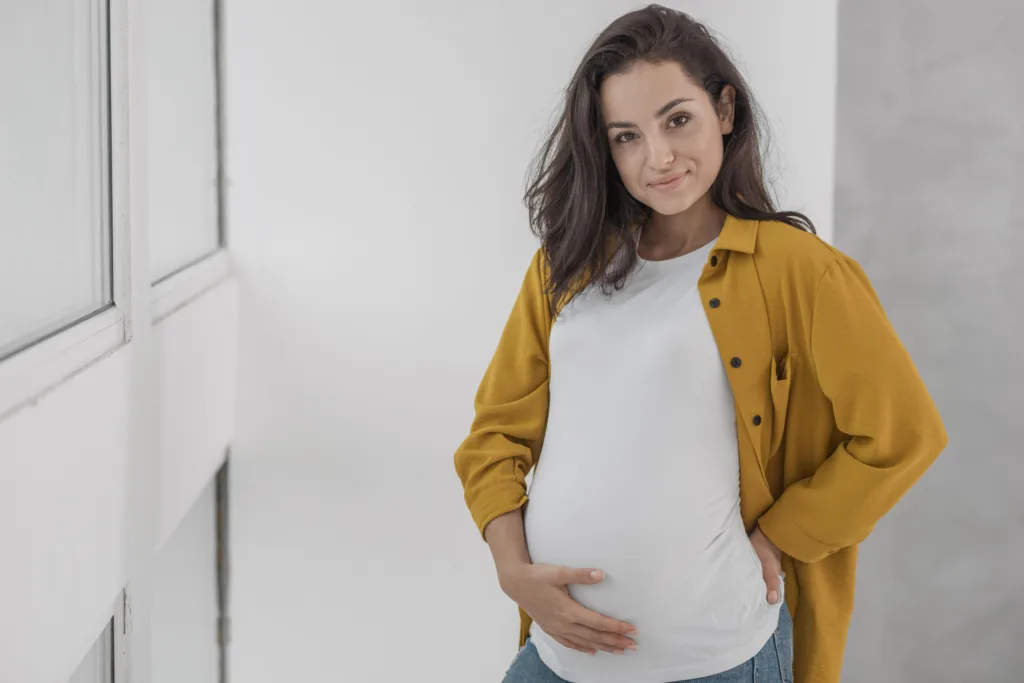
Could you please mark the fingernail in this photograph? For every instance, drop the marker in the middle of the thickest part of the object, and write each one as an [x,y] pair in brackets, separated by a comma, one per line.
[596,574]
[773,597]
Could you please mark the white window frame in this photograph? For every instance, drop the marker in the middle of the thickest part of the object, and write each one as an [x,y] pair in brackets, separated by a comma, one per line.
[32,372]
[39,367]
[180,288]
[122,638]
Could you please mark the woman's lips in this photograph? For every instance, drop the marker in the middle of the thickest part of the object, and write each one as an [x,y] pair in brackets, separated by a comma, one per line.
[669,184]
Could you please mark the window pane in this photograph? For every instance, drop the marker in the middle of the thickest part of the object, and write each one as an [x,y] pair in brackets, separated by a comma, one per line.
[184,617]
[54,160]
[98,664]
[182,134]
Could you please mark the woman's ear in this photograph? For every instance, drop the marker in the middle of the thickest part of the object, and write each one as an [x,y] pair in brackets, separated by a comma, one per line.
[727,108]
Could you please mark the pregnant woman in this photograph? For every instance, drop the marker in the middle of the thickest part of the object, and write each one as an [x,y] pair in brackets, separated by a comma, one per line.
[714,404]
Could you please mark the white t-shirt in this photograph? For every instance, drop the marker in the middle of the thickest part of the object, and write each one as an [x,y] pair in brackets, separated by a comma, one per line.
[639,477]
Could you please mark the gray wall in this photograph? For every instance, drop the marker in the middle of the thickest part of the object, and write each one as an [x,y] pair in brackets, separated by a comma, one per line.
[930,163]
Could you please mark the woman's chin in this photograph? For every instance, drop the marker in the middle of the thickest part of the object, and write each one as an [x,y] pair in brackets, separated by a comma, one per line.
[669,206]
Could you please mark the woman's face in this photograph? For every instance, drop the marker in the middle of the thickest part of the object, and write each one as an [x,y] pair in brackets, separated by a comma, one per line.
[665,134]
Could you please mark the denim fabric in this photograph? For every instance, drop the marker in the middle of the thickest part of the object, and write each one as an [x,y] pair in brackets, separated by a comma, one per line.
[773,664]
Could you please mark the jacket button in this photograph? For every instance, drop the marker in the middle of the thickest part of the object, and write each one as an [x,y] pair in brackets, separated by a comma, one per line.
[714,260]
[757,420]
[715,303]
[736,362]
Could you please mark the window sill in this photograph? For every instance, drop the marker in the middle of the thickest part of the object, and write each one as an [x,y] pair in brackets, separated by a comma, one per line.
[178,290]
[30,373]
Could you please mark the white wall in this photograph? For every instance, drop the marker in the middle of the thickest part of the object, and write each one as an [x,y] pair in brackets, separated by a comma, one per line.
[376,154]
[951,282]
[376,157]
[787,51]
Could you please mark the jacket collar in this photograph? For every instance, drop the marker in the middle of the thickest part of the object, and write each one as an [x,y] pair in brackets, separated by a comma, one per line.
[738,234]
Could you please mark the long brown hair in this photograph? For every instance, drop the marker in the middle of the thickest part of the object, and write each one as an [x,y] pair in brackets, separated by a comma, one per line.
[577,203]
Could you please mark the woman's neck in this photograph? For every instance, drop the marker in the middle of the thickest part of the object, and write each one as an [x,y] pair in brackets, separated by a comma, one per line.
[667,237]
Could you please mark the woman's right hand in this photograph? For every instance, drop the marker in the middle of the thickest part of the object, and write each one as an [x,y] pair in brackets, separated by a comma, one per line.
[542,590]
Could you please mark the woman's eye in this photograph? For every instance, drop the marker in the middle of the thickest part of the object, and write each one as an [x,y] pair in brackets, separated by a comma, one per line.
[674,122]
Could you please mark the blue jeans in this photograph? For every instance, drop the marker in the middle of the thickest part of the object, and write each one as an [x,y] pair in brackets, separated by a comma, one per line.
[773,664]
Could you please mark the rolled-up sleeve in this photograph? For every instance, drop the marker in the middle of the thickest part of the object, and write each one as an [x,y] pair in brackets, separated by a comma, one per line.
[880,401]
[511,408]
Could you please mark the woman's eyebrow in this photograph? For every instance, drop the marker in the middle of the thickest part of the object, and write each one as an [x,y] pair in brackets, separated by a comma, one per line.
[660,112]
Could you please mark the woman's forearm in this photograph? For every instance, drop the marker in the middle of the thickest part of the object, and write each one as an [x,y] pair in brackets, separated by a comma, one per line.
[506,537]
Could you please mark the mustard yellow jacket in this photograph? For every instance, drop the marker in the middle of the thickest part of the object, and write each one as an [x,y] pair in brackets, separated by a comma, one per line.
[834,422]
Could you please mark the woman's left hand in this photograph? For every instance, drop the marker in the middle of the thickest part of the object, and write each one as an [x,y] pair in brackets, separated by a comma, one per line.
[771,563]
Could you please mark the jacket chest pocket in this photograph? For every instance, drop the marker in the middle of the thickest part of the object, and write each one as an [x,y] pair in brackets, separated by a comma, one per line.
[780,381]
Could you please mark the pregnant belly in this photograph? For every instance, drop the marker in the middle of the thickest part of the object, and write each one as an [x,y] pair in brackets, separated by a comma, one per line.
[670,577]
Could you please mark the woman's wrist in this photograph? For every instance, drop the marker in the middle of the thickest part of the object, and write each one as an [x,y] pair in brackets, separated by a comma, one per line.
[763,539]
[507,540]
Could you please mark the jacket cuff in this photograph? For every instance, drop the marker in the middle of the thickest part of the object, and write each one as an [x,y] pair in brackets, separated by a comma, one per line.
[495,502]
[781,530]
